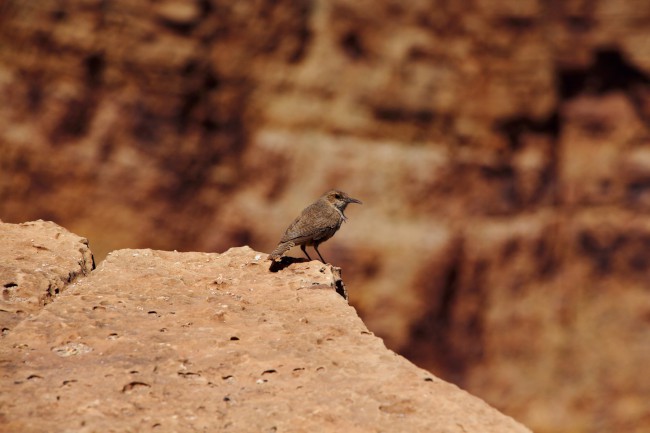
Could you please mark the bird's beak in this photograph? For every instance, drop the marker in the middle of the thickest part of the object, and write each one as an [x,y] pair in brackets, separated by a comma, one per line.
[353,200]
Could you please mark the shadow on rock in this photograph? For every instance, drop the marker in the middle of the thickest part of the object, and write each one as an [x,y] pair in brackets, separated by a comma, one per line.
[284,263]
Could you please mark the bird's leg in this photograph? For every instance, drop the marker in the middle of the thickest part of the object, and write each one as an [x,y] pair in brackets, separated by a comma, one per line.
[321,257]
[304,250]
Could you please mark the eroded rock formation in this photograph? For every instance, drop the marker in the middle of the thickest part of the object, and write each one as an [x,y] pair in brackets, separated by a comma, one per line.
[37,261]
[169,341]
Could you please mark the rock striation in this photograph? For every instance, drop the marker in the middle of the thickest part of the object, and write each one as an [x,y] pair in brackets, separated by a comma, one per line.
[169,341]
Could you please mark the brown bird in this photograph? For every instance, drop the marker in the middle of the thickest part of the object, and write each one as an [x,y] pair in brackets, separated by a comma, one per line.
[317,223]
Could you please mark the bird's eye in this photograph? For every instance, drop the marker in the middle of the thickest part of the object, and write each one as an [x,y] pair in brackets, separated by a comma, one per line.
[338,196]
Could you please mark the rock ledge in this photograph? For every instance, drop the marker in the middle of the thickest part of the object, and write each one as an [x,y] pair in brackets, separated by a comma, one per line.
[215,342]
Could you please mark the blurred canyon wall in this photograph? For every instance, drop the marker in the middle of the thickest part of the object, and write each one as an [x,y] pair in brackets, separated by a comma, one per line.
[501,148]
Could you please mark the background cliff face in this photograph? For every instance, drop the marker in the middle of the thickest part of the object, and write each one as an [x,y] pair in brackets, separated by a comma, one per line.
[501,148]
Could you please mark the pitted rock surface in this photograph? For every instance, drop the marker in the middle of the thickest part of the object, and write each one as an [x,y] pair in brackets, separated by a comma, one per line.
[38,260]
[171,341]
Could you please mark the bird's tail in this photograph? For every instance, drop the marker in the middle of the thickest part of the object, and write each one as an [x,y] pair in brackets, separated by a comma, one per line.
[279,250]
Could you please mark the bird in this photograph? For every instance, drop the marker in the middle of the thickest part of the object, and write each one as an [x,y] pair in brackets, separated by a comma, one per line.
[317,223]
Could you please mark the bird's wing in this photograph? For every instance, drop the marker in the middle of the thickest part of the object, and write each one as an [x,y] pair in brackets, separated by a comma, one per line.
[311,224]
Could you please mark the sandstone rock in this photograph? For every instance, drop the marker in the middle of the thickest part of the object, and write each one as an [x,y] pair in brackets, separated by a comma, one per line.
[38,260]
[195,341]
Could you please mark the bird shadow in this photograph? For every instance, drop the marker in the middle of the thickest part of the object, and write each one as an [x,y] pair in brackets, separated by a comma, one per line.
[284,263]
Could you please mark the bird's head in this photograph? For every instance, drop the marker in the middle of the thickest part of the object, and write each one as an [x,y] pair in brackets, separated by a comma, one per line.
[339,199]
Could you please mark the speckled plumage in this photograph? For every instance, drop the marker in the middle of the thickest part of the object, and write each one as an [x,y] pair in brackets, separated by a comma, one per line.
[317,223]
